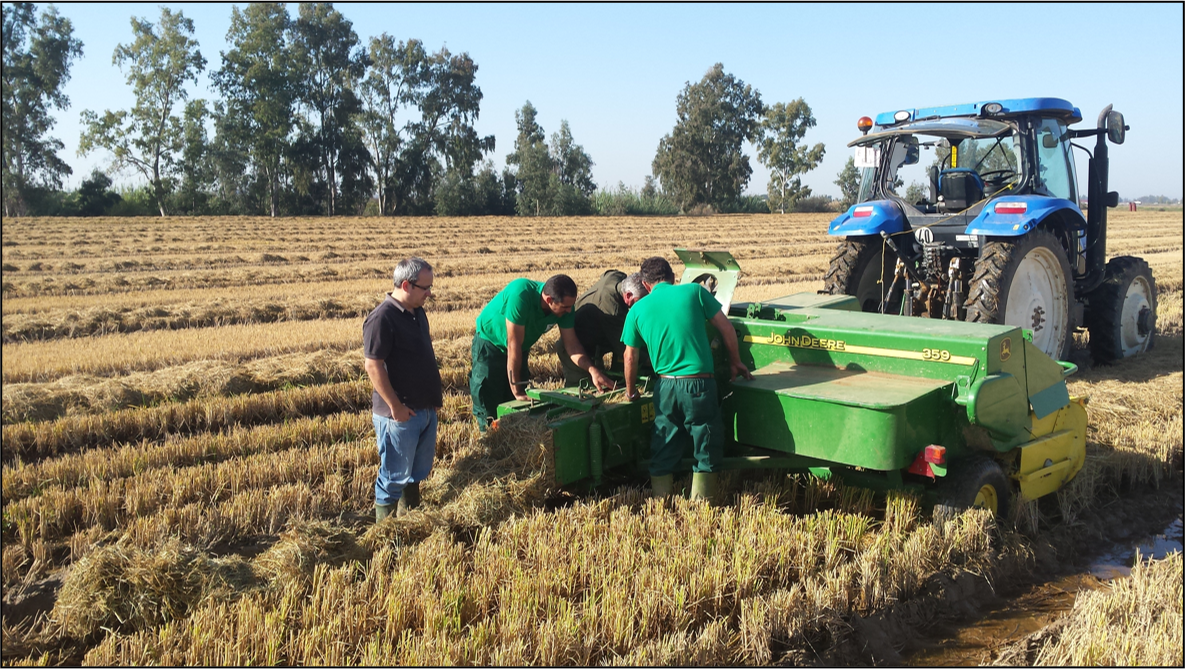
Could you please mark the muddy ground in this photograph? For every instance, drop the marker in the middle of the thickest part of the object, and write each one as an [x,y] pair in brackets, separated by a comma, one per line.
[1006,617]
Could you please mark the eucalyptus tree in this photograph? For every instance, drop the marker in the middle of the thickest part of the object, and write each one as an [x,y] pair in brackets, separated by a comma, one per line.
[418,115]
[328,64]
[257,84]
[38,52]
[783,126]
[702,161]
[160,60]
[531,164]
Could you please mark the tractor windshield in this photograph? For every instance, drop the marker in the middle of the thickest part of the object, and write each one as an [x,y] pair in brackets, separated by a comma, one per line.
[914,160]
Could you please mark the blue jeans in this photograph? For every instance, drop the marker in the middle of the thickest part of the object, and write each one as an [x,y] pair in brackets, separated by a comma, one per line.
[406,451]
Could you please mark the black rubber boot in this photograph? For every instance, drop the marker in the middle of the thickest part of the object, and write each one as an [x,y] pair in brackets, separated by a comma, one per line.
[382,511]
[410,498]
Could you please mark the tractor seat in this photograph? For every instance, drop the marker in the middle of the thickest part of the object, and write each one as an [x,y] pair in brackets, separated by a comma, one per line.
[960,188]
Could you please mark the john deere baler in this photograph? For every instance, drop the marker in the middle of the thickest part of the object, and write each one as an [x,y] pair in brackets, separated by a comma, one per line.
[884,401]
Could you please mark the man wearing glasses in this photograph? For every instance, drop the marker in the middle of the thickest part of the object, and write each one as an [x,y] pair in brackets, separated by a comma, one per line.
[507,328]
[401,364]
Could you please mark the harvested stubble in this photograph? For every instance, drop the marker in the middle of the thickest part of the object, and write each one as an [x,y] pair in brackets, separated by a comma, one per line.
[479,574]
[620,581]
[33,441]
[77,395]
[1137,622]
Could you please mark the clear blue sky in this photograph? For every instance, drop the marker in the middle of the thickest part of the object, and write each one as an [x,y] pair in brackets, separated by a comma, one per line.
[614,71]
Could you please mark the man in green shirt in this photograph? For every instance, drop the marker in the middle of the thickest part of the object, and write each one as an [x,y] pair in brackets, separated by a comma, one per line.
[507,328]
[670,322]
[600,315]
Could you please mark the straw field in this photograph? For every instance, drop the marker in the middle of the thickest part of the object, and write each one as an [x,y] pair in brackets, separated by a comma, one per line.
[188,461]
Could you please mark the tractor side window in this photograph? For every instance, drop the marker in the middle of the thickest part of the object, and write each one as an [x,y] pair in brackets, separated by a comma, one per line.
[1054,168]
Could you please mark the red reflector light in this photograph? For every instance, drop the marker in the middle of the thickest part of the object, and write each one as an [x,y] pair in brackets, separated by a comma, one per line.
[936,455]
[1011,208]
[861,212]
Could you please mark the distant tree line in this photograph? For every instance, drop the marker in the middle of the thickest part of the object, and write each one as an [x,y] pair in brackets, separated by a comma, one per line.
[310,121]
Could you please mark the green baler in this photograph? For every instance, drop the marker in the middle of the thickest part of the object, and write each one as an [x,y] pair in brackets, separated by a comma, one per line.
[882,401]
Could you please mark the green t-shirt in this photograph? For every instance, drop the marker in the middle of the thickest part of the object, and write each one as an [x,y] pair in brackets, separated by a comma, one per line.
[519,303]
[670,322]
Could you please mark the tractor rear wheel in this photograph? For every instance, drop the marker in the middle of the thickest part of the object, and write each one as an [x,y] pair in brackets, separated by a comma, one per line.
[861,268]
[977,482]
[1122,315]
[1026,282]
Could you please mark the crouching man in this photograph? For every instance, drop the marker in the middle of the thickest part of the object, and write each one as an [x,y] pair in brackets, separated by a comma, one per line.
[401,364]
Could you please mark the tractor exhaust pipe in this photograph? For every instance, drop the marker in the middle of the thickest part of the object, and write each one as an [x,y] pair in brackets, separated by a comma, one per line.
[1096,214]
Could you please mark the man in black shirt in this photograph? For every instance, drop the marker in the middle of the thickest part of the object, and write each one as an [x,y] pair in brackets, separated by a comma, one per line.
[401,364]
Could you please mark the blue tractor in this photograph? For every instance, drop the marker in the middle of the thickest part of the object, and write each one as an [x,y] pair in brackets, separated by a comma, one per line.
[993,232]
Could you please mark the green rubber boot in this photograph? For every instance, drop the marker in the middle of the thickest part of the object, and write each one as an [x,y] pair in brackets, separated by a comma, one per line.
[703,486]
[409,500]
[662,486]
[382,511]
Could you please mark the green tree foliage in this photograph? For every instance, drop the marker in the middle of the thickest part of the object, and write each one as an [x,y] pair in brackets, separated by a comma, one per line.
[196,169]
[701,162]
[160,60]
[257,83]
[95,197]
[783,126]
[531,164]
[37,58]
[484,194]
[550,181]
[849,183]
[328,65]
[915,193]
[440,100]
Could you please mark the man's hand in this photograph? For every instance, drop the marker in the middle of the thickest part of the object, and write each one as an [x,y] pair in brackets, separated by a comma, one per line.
[601,380]
[519,393]
[738,367]
[401,413]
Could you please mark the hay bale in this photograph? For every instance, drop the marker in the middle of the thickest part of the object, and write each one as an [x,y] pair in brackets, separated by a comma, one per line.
[129,589]
[304,545]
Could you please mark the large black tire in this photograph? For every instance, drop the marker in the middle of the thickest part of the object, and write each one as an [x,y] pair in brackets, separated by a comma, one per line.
[1040,301]
[1122,313]
[978,481]
[858,268]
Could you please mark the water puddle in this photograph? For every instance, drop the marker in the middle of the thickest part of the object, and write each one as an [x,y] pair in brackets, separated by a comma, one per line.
[1014,619]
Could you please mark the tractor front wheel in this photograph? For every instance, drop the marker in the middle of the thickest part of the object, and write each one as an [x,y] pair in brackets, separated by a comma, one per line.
[1026,282]
[977,482]
[1122,314]
[861,268]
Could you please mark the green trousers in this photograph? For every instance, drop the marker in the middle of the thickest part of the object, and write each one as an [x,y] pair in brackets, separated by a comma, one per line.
[488,385]
[686,414]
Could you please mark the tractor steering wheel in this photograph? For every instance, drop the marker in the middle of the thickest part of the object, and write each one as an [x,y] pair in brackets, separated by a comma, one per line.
[997,175]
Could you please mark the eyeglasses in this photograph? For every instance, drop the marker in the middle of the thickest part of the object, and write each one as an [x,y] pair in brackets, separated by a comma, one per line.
[423,288]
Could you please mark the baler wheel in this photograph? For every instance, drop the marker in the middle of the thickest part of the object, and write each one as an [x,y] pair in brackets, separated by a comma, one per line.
[1122,314]
[853,271]
[1026,282]
[976,482]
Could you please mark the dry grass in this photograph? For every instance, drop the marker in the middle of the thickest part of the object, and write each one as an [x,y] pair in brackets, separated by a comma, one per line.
[1134,623]
[205,490]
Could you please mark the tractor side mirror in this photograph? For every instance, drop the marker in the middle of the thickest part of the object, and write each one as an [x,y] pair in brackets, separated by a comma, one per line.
[913,151]
[1048,140]
[1116,130]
